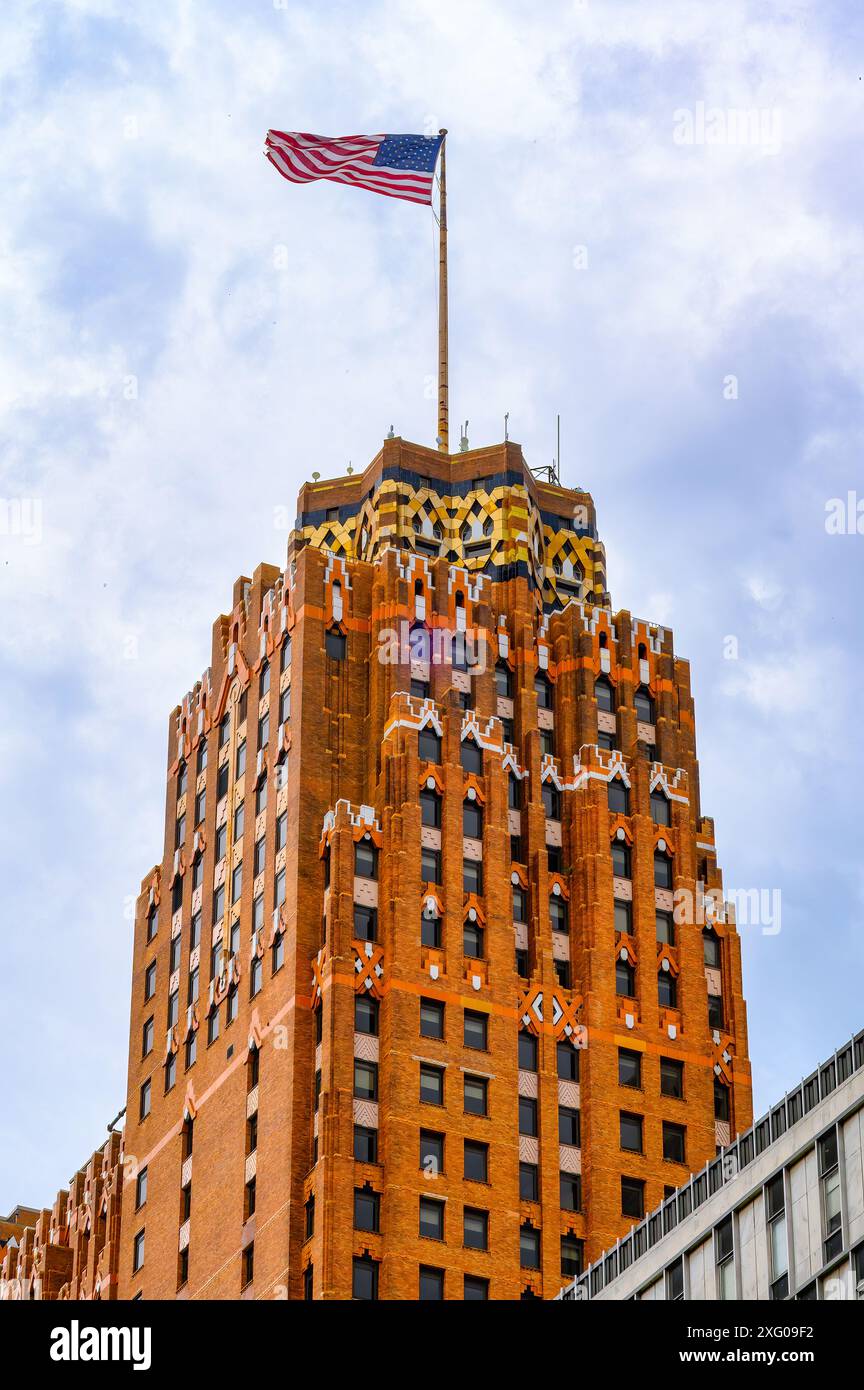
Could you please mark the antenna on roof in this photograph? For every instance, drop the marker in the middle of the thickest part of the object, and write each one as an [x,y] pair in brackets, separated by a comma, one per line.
[506,430]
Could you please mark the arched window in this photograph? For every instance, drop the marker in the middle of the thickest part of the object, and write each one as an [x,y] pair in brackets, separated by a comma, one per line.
[643,652]
[660,810]
[667,990]
[543,690]
[644,706]
[604,695]
[662,870]
[619,797]
[604,640]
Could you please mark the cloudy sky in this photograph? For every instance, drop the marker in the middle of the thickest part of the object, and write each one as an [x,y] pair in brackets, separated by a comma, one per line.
[185,337]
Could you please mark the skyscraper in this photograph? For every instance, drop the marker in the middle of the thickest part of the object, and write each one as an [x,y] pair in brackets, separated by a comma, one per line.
[433,991]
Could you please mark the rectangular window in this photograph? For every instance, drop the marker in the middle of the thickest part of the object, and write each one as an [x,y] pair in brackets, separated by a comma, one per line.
[625,979]
[529,1184]
[620,859]
[475,1229]
[569,1127]
[476,1161]
[476,1095]
[472,940]
[675,1281]
[629,1068]
[475,1290]
[430,865]
[430,930]
[431,1152]
[431,1285]
[144,1101]
[431,1218]
[571,1191]
[431,1018]
[623,917]
[472,876]
[665,927]
[429,745]
[476,1030]
[529,1246]
[633,1197]
[558,915]
[527,1115]
[365,1080]
[472,820]
[366,1015]
[365,923]
[365,1144]
[367,1209]
[674,1143]
[138,1252]
[141,1189]
[255,976]
[568,1061]
[364,1282]
[724,1255]
[672,1078]
[571,1257]
[365,859]
[829,1175]
[430,809]
[432,1085]
[527,1051]
[631,1132]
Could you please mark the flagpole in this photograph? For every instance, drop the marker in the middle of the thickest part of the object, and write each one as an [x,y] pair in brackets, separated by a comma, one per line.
[443,403]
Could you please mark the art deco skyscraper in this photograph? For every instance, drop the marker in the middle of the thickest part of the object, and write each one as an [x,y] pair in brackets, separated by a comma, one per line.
[412,1014]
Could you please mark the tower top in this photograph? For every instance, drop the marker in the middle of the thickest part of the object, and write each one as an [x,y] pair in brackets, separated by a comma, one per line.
[482,509]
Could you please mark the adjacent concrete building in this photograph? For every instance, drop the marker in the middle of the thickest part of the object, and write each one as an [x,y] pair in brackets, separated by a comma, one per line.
[780,1214]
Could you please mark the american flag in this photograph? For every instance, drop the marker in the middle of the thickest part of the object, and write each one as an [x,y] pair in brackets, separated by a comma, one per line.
[399,166]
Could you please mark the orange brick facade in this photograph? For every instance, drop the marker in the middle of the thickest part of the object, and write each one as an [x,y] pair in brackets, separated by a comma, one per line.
[380,873]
